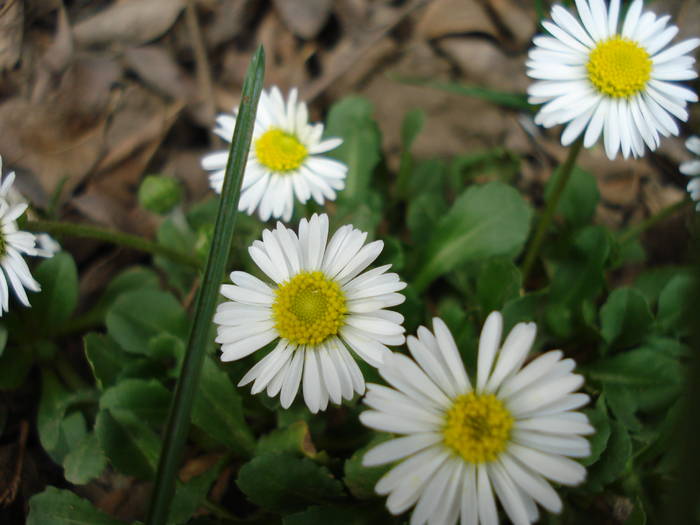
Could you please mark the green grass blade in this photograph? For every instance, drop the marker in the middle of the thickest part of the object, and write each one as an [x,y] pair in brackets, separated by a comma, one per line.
[504,99]
[179,419]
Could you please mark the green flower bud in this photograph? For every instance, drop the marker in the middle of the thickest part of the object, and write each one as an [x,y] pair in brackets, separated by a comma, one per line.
[159,194]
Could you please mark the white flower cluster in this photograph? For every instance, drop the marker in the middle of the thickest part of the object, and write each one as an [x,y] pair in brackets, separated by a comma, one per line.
[462,445]
[14,243]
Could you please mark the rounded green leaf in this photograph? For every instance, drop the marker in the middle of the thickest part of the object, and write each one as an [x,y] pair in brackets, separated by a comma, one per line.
[485,221]
[285,483]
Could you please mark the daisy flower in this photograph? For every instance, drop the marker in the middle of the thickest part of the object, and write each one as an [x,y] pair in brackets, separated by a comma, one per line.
[506,435]
[13,243]
[691,168]
[618,80]
[322,304]
[45,245]
[285,159]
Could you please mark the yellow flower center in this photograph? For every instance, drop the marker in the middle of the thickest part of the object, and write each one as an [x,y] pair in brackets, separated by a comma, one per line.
[3,244]
[308,308]
[619,67]
[477,427]
[280,151]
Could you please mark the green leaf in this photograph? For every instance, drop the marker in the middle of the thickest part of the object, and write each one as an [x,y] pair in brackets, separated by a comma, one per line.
[129,443]
[578,278]
[294,439]
[674,305]
[653,378]
[361,480]
[485,221]
[351,119]
[136,317]
[579,200]
[106,358]
[85,462]
[623,405]
[147,400]
[625,318]
[175,233]
[3,339]
[135,278]
[189,496]
[285,483]
[53,405]
[15,363]
[218,410]
[498,281]
[423,213]
[651,282]
[412,124]
[58,277]
[613,461]
[340,515]
[580,275]
[598,417]
[62,507]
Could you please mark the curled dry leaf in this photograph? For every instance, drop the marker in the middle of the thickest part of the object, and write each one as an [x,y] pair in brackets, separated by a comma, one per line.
[129,23]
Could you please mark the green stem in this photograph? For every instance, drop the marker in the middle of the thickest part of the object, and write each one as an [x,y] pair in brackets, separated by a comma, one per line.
[647,223]
[562,179]
[186,388]
[112,236]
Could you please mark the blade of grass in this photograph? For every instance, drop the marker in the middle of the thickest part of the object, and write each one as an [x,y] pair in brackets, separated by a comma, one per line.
[501,98]
[179,418]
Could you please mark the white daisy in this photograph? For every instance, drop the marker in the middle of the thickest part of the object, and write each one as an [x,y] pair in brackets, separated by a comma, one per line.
[14,243]
[45,246]
[691,168]
[506,435]
[285,159]
[602,77]
[321,304]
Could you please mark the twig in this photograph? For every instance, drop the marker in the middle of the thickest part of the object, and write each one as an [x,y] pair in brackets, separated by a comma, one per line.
[343,63]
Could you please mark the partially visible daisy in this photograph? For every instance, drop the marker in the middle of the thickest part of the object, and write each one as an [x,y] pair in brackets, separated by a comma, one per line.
[321,304]
[46,246]
[285,159]
[691,168]
[506,435]
[597,76]
[15,273]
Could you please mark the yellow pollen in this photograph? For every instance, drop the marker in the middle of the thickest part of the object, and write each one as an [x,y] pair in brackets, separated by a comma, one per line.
[308,308]
[280,151]
[619,67]
[477,427]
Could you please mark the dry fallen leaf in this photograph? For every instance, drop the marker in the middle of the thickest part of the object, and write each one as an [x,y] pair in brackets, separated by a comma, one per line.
[11,25]
[304,17]
[129,23]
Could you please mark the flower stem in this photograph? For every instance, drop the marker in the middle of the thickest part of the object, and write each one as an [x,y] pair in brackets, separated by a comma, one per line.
[103,234]
[186,388]
[647,223]
[562,179]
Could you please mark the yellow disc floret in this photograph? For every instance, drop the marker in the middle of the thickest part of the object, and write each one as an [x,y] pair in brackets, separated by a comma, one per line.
[280,151]
[308,308]
[477,427]
[619,67]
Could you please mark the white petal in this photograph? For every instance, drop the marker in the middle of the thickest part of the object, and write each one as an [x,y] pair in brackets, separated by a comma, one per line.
[489,340]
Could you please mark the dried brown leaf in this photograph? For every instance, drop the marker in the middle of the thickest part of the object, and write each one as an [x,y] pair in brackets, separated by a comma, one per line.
[11,31]
[304,17]
[129,23]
